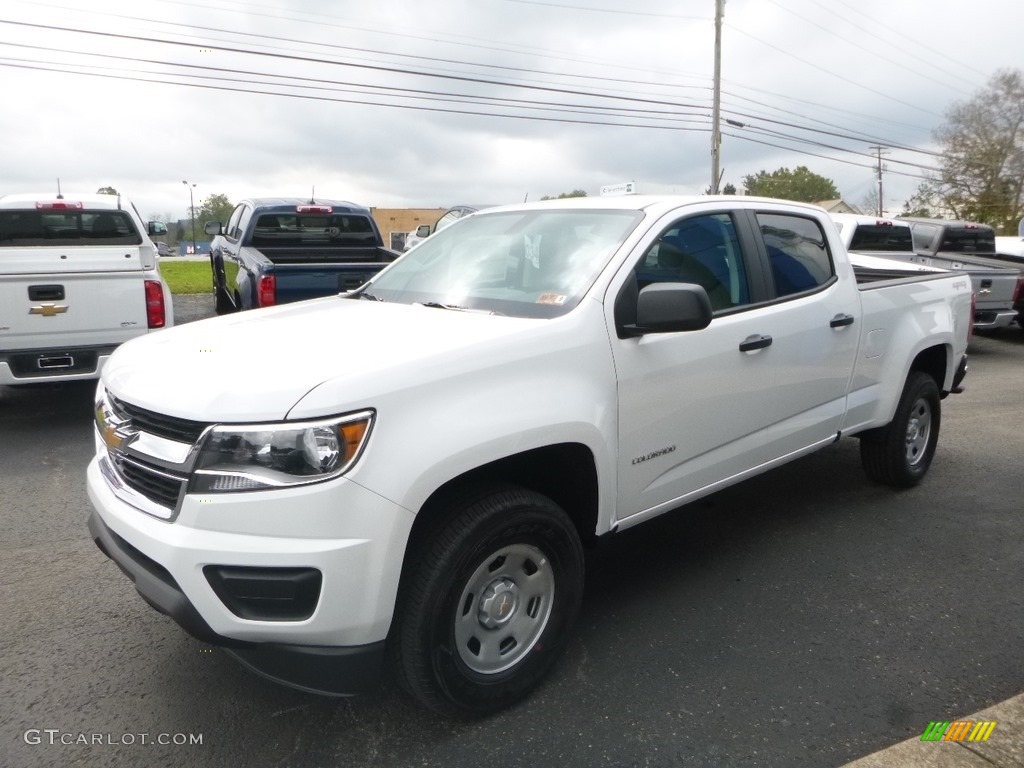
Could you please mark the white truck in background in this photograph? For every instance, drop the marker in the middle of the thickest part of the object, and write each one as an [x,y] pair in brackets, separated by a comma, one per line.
[79,276]
[418,493]
[929,243]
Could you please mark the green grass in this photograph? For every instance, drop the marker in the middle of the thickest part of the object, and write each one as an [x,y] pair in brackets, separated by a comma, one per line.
[187,276]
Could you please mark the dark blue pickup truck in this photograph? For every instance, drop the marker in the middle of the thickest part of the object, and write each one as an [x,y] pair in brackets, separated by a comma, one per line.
[279,250]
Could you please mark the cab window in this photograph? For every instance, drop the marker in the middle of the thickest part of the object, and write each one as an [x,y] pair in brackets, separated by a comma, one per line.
[703,250]
[797,252]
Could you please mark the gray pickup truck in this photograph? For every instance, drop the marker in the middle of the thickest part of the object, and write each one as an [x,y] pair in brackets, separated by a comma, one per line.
[957,246]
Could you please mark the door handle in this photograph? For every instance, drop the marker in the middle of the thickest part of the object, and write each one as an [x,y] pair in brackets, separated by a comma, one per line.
[754,342]
[840,321]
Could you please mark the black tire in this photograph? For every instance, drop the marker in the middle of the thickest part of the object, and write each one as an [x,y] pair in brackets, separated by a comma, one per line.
[900,453]
[487,602]
[221,298]
[222,302]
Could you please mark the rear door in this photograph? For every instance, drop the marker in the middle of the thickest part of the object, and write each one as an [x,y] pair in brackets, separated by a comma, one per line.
[814,325]
[69,277]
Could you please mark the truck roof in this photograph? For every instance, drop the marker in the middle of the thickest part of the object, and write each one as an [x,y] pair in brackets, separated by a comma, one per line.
[944,222]
[291,202]
[654,203]
[92,200]
[863,218]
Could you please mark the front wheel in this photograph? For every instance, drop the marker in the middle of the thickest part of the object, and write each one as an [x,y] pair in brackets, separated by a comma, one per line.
[487,602]
[900,453]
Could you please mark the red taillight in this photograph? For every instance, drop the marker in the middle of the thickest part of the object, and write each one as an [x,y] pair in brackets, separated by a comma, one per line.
[883,223]
[155,312]
[1019,289]
[266,291]
[313,209]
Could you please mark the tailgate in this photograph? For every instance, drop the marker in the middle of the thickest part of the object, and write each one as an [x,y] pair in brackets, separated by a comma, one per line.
[297,282]
[50,309]
[994,284]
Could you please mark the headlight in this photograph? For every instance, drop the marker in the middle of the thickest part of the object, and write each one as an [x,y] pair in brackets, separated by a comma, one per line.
[251,457]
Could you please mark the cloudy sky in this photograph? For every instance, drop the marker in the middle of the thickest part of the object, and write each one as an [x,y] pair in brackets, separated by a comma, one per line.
[395,103]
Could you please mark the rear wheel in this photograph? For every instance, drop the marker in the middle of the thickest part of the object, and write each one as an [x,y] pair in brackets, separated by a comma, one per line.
[900,453]
[487,603]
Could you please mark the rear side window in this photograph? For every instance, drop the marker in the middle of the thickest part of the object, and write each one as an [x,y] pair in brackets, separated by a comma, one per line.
[78,227]
[797,251]
[296,229]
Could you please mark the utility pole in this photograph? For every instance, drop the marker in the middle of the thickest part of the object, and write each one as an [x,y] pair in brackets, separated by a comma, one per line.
[881,206]
[716,109]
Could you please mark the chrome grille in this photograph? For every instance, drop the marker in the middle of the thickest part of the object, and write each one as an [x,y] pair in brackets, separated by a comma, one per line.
[160,487]
[170,427]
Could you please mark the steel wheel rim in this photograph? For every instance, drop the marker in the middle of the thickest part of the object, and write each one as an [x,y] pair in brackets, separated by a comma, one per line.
[919,430]
[504,608]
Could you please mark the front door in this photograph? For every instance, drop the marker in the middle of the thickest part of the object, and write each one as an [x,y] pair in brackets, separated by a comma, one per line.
[690,404]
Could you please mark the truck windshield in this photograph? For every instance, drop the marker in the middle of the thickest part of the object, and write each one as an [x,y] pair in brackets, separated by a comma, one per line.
[878,237]
[297,230]
[67,227]
[522,264]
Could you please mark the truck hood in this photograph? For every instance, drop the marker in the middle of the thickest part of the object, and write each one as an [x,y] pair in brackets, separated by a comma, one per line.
[257,365]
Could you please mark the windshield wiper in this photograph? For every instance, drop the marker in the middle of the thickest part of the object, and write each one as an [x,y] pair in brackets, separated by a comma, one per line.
[439,305]
[454,307]
[365,295]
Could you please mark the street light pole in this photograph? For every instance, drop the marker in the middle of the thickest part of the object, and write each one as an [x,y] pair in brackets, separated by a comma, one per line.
[191,210]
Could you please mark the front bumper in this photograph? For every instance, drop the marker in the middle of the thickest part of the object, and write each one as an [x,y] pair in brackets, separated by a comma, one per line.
[330,670]
[352,537]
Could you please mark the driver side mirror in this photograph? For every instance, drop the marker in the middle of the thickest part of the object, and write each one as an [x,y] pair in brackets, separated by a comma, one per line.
[213,228]
[423,230]
[156,228]
[663,308]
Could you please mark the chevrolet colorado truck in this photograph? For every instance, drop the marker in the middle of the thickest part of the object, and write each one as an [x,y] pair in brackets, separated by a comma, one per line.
[950,245]
[526,381]
[279,250]
[79,275]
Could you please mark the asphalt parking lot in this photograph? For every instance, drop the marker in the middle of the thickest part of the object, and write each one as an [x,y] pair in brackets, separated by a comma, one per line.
[805,618]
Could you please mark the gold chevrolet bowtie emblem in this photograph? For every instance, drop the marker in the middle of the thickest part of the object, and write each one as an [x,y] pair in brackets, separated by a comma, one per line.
[48,310]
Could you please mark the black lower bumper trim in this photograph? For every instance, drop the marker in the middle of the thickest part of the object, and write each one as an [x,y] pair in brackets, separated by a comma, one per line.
[329,670]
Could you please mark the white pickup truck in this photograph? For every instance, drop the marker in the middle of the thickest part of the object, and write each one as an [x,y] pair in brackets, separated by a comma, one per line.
[409,472]
[78,277]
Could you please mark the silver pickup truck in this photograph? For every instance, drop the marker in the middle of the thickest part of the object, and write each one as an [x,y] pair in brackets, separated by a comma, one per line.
[952,245]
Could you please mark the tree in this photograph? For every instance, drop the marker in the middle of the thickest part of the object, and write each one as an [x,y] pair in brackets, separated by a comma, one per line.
[728,189]
[564,195]
[869,202]
[107,191]
[213,208]
[799,184]
[981,170]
